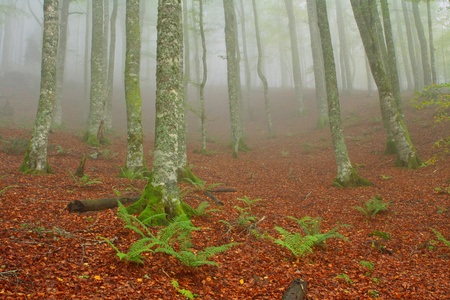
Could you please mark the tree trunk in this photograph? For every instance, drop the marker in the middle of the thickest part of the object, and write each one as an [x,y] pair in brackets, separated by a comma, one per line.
[365,12]
[86,88]
[204,79]
[431,42]
[391,57]
[111,63]
[97,94]
[319,72]
[369,78]
[346,175]
[61,62]
[135,148]
[261,74]
[423,45]
[35,159]
[295,57]
[246,61]
[400,37]
[232,70]
[344,52]
[411,49]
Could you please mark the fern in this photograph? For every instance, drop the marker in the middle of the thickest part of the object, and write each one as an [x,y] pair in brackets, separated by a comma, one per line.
[441,237]
[372,206]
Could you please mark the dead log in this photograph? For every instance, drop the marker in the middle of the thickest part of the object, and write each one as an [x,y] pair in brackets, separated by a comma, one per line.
[224,190]
[296,290]
[99,204]
[80,171]
[212,197]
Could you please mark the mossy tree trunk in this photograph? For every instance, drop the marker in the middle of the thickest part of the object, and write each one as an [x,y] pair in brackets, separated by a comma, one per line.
[411,48]
[261,74]
[182,133]
[35,159]
[391,57]
[204,79]
[346,175]
[423,45]
[319,72]
[135,149]
[97,94]
[169,104]
[295,57]
[365,12]
[111,64]
[61,62]
[232,71]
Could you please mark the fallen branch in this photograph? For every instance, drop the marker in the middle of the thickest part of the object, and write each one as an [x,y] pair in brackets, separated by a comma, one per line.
[99,204]
[212,197]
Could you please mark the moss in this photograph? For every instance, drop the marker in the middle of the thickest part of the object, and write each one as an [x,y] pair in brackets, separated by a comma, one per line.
[391,148]
[90,139]
[413,163]
[243,146]
[186,173]
[354,181]
[25,167]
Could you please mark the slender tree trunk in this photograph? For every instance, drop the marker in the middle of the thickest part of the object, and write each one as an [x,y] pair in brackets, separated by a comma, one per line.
[169,103]
[319,72]
[423,45]
[391,57]
[346,175]
[97,94]
[261,74]
[35,159]
[135,148]
[369,78]
[105,48]
[182,154]
[344,52]
[238,74]
[232,71]
[86,87]
[411,48]
[430,36]
[204,79]
[111,62]
[295,57]
[246,61]
[403,50]
[365,12]
[61,62]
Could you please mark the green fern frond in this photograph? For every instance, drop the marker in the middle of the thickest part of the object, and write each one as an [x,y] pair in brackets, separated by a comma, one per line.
[282,231]
[440,237]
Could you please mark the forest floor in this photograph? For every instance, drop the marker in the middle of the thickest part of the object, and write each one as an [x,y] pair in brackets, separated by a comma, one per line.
[48,253]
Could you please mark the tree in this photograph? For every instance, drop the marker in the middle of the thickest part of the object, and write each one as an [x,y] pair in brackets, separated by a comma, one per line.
[35,159]
[135,136]
[61,62]
[319,72]
[411,48]
[365,13]
[232,71]
[261,74]
[391,57]
[97,94]
[295,57]
[246,60]
[346,175]
[344,52]
[423,44]
[430,37]
[204,79]
[111,62]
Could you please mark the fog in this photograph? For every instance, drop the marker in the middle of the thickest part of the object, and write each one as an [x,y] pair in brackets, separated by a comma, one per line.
[21,45]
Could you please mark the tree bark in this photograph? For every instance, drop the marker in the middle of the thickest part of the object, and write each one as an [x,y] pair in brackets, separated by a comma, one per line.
[135,148]
[246,60]
[35,159]
[346,175]
[403,51]
[344,52]
[423,45]
[204,79]
[411,49]
[431,42]
[111,64]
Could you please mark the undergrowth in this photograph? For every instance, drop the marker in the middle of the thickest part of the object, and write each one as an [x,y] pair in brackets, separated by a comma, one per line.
[372,207]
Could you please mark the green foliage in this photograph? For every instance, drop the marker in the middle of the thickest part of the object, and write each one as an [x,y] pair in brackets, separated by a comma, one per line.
[15,145]
[366,264]
[132,174]
[108,155]
[83,181]
[386,177]
[177,235]
[372,206]
[284,153]
[443,191]
[300,244]
[440,237]
[7,188]
[345,277]
[201,185]
[381,234]
[186,293]
[201,209]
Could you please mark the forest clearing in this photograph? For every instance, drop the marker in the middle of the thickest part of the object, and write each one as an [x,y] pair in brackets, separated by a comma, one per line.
[49,253]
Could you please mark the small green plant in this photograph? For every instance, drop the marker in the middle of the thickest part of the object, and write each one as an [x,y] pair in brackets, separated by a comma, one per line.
[284,153]
[366,264]
[201,209]
[132,174]
[373,293]
[381,234]
[186,293]
[373,206]
[246,218]
[440,211]
[15,145]
[108,155]
[440,237]
[346,278]
[201,185]
[386,177]
[83,181]
[300,244]
[61,151]
[7,188]
[306,146]
[177,235]
[443,191]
